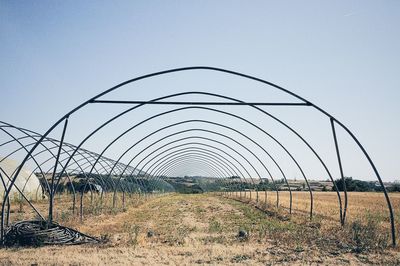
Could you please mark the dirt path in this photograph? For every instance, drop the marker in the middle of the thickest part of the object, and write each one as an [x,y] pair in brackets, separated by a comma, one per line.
[187,230]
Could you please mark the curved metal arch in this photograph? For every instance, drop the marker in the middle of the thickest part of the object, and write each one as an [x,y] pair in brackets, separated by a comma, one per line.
[186,153]
[223,144]
[288,186]
[85,154]
[202,138]
[240,75]
[23,147]
[148,119]
[157,164]
[209,172]
[308,145]
[342,211]
[225,136]
[177,163]
[139,123]
[212,155]
[7,202]
[182,168]
[178,169]
[231,164]
[174,161]
[46,149]
[166,127]
[11,184]
[149,175]
[219,171]
[245,120]
[33,135]
[142,150]
[196,143]
[8,199]
[244,178]
[192,164]
[232,171]
[153,175]
[119,115]
[184,138]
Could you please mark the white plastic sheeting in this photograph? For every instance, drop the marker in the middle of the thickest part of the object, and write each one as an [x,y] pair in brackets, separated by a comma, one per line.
[26,181]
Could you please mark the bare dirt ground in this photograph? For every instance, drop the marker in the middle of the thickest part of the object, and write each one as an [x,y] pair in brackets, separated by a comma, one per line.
[201,230]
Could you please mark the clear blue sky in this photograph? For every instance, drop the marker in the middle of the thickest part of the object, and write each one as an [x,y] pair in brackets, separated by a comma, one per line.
[342,55]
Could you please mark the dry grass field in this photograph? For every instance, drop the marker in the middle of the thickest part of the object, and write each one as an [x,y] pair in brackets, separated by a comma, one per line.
[326,203]
[362,206]
[202,229]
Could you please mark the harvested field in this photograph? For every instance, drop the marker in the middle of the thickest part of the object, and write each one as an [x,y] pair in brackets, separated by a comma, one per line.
[178,229]
[362,206]
[326,203]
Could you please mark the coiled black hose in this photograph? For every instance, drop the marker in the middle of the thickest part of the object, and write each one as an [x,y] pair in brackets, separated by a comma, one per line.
[38,233]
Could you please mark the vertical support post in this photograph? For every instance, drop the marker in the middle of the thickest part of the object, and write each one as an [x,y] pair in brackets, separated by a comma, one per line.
[277,198]
[256,194]
[341,170]
[73,205]
[123,199]
[51,194]
[391,213]
[266,199]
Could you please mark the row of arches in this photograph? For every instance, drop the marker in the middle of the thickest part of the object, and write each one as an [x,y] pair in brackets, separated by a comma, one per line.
[214,149]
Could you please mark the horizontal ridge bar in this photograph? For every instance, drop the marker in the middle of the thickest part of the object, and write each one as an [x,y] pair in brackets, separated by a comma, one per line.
[199,103]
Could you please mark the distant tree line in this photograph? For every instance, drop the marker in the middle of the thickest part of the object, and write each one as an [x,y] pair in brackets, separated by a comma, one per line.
[362,186]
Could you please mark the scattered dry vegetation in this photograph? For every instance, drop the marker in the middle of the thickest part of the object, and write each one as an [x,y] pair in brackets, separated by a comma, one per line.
[202,229]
